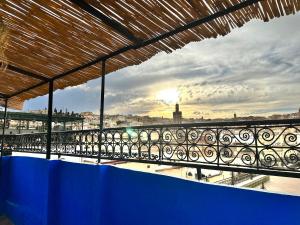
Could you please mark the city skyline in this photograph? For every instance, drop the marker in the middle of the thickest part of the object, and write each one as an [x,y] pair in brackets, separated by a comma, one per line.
[244,73]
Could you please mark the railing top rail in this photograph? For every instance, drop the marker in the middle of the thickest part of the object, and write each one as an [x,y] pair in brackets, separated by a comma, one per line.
[217,124]
[246,123]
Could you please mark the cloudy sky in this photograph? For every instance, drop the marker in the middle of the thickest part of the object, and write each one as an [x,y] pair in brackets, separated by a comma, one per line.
[255,70]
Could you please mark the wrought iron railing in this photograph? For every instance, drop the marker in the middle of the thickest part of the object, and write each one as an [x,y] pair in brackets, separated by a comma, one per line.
[268,147]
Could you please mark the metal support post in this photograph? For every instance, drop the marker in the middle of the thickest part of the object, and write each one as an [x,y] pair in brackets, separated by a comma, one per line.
[49,121]
[4,125]
[232,178]
[199,174]
[101,109]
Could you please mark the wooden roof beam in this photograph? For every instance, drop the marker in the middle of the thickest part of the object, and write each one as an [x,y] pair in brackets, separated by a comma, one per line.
[27,73]
[3,95]
[108,21]
[28,89]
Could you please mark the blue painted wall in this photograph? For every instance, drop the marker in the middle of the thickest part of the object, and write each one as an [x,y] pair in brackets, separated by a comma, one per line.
[76,194]
[37,192]
[3,180]
[26,183]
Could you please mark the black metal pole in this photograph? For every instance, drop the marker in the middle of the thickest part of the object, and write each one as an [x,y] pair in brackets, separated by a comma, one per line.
[101,108]
[232,178]
[199,174]
[49,121]
[3,128]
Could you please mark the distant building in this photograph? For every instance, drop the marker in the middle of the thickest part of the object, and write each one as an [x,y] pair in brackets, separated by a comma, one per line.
[39,111]
[177,115]
[36,121]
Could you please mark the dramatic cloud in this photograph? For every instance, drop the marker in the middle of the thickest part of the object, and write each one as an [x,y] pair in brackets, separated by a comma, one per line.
[255,70]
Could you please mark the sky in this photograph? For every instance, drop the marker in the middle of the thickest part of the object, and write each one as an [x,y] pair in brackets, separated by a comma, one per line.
[254,70]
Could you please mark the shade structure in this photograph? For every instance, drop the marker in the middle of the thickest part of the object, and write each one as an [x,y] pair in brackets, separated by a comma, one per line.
[65,40]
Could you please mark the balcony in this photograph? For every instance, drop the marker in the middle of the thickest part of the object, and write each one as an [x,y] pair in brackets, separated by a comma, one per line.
[38,191]
[51,45]
[56,192]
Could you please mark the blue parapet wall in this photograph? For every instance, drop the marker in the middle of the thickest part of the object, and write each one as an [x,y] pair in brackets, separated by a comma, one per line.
[25,181]
[40,192]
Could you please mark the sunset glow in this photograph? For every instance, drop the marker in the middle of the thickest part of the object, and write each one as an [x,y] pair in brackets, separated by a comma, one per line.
[168,96]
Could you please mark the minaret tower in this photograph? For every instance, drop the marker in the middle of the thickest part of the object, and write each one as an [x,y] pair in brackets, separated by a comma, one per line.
[177,115]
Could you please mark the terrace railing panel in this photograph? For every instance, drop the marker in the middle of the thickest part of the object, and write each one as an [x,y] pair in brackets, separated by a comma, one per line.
[268,147]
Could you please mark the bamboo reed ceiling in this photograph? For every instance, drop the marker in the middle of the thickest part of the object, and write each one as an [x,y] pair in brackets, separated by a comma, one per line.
[51,38]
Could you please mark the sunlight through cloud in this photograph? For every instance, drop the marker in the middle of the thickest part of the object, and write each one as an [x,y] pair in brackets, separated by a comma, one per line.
[168,96]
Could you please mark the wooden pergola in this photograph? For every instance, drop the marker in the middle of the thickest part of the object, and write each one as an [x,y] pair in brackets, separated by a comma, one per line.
[57,44]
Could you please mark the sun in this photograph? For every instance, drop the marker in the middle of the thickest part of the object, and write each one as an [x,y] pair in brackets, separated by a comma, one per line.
[168,96]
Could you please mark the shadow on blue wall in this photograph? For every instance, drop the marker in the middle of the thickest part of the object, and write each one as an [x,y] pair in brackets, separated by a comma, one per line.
[39,192]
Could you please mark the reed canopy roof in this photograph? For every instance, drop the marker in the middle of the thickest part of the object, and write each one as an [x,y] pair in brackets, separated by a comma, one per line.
[66,40]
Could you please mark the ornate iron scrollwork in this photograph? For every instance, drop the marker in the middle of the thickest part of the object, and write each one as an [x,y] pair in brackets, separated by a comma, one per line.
[249,144]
